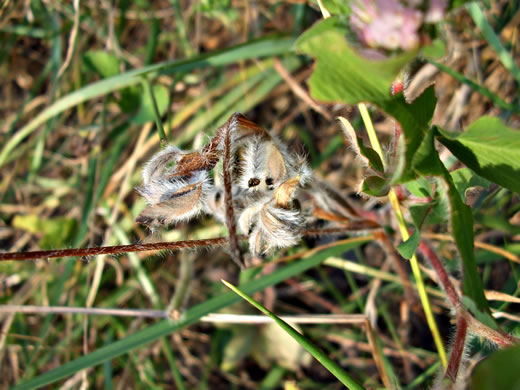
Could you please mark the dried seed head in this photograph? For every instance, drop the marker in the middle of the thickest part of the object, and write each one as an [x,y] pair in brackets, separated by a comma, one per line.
[174,200]
[266,163]
[215,204]
[273,221]
[275,228]
[242,130]
[285,193]
[261,184]
[248,217]
[155,168]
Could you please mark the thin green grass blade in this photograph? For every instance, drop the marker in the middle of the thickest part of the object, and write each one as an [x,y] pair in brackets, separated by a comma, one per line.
[176,374]
[505,58]
[181,28]
[497,100]
[147,85]
[108,382]
[109,163]
[318,354]
[273,378]
[260,48]
[191,316]
[421,378]
[28,31]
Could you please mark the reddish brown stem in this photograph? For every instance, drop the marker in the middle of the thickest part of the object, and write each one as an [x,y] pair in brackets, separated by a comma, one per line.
[110,250]
[444,279]
[458,348]
[156,246]
[475,326]
[236,254]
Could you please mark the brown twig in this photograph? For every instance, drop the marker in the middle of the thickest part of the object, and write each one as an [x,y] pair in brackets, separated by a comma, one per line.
[110,250]
[458,348]
[298,90]
[236,254]
[155,246]
[465,321]
[72,39]
[443,276]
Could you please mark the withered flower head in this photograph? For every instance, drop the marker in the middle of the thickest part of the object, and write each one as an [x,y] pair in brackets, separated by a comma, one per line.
[262,181]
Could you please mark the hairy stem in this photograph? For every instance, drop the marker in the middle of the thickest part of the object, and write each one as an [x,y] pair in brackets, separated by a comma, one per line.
[405,235]
[444,279]
[236,254]
[458,348]
[155,246]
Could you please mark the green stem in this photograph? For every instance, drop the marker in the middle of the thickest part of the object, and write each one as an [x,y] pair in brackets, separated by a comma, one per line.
[372,136]
[318,354]
[160,129]
[405,235]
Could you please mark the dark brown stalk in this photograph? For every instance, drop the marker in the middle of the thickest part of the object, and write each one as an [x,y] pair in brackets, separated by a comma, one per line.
[156,246]
[234,246]
[465,321]
[206,159]
[444,279]
[453,297]
[110,250]
[458,348]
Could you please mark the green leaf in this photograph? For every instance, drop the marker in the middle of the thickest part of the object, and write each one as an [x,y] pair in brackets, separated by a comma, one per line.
[340,74]
[426,159]
[432,213]
[372,156]
[146,111]
[427,162]
[130,99]
[408,247]
[55,231]
[498,372]
[337,7]
[375,186]
[239,346]
[485,318]
[462,228]
[489,148]
[414,119]
[465,178]
[457,3]
[366,154]
[434,50]
[189,317]
[329,364]
[101,62]
[420,187]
